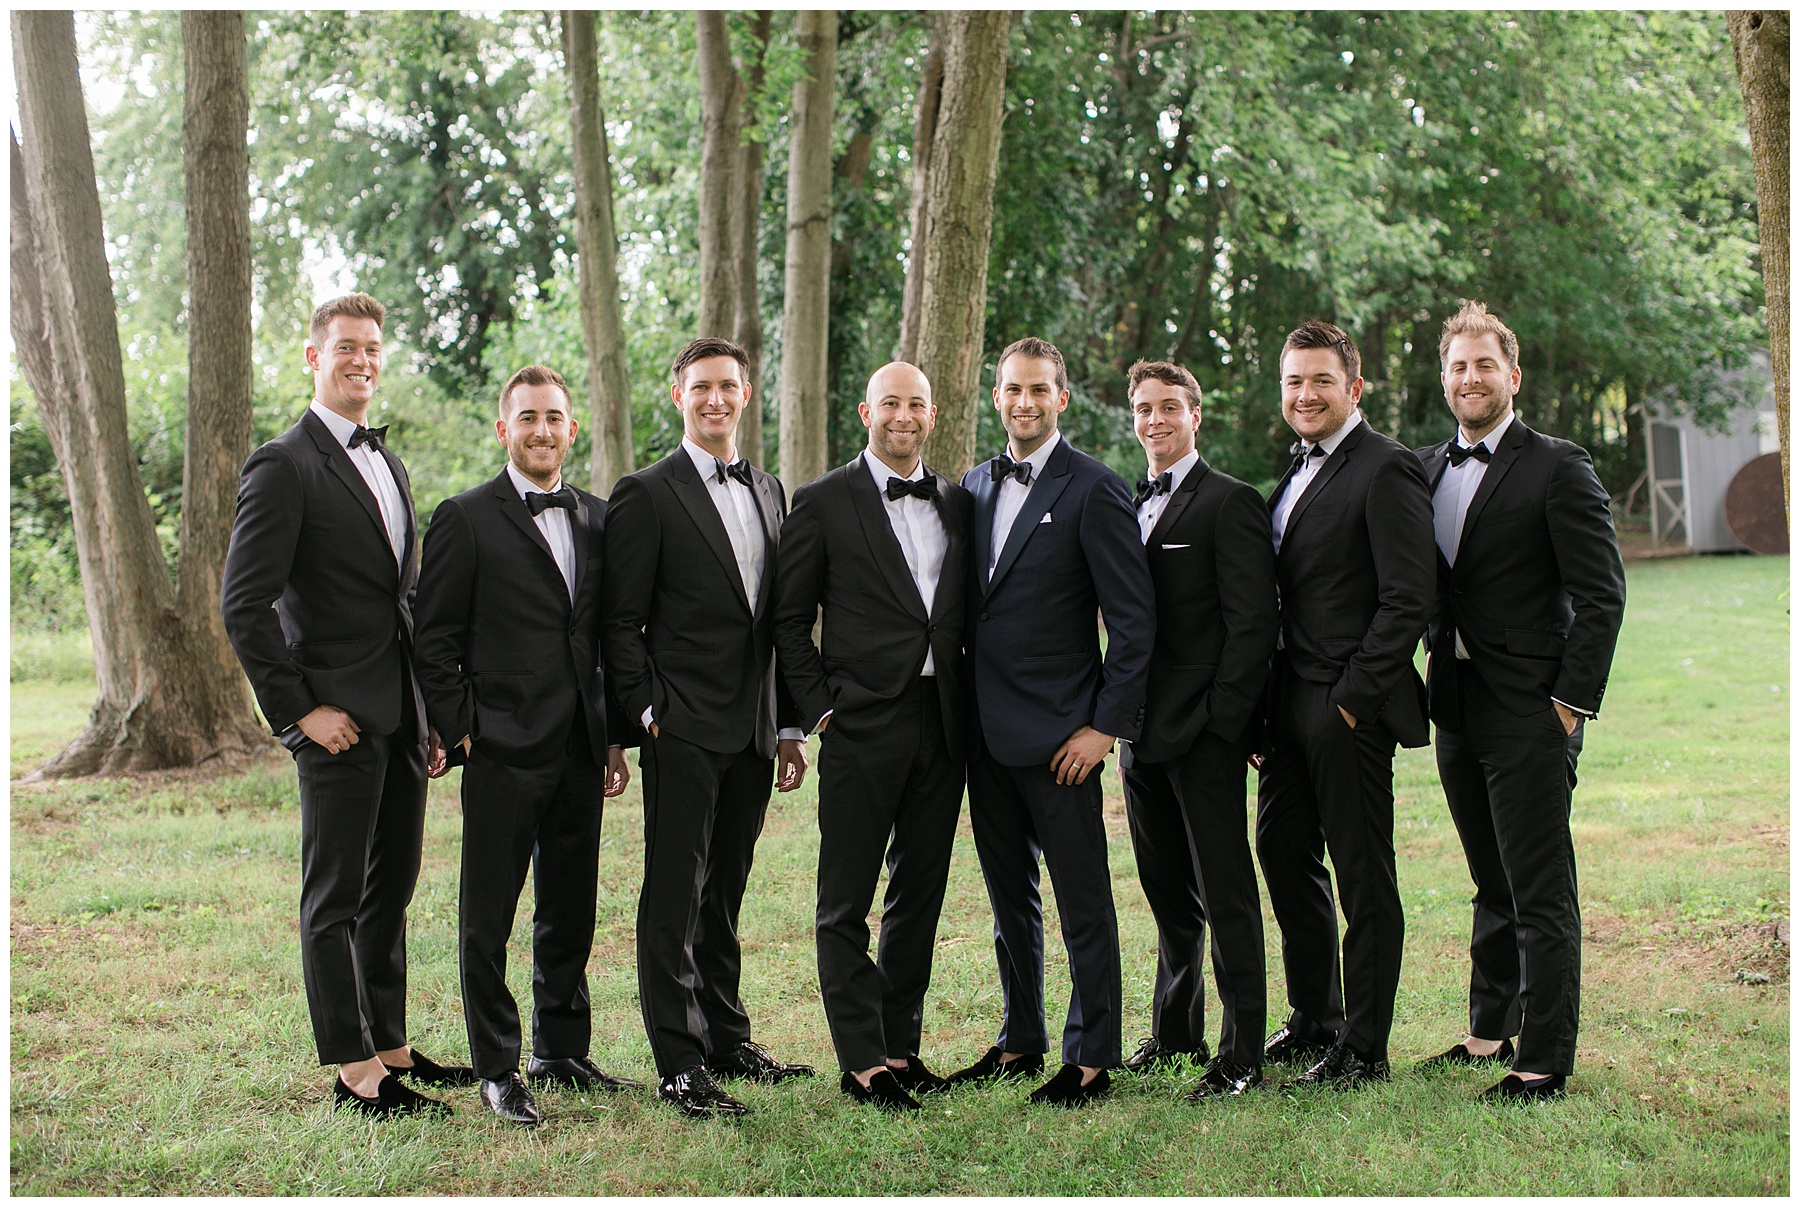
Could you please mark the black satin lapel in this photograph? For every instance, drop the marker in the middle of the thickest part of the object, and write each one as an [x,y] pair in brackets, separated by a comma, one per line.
[1184,494]
[878,530]
[1274,498]
[1042,497]
[694,497]
[338,457]
[581,530]
[514,509]
[1333,463]
[1502,460]
[1439,460]
[981,523]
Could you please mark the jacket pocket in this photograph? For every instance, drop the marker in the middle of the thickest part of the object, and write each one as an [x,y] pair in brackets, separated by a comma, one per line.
[1532,643]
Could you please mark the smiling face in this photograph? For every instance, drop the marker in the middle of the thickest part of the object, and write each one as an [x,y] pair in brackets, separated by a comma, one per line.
[1316,398]
[1164,420]
[711,395]
[897,410]
[1027,397]
[346,365]
[537,431]
[1478,383]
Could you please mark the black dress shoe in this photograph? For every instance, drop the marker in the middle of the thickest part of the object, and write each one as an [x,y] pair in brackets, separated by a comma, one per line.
[1065,1089]
[1342,1068]
[576,1073]
[915,1078]
[753,1063]
[1152,1054]
[883,1091]
[1223,1079]
[1514,1088]
[693,1092]
[391,1098]
[990,1066]
[508,1098]
[1287,1047]
[1459,1055]
[426,1071]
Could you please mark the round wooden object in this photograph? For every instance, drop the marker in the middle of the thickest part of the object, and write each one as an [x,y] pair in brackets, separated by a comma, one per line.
[1753,506]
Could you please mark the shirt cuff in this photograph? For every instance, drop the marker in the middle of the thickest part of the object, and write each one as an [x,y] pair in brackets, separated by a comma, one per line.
[823,717]
[1580,712]
[646,720]
[792,733]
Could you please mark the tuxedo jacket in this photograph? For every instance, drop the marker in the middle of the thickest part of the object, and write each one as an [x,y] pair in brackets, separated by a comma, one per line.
[839,553]
[313,602]
[1538,590]
[1356,575]
[1074,553]
[1213,569]
[677,632]
[503,655]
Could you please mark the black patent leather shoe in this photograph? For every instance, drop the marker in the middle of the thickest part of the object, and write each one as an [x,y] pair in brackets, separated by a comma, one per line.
[990,1066]
[1224,1079]
[1458,1056]
[1341,1069]
[915,1078]
[576,1073]
[882,1091]
[751,1062]
[1287,1047]
[1514,1088]
[694,1093]
[425,1071]
[509,1098]
[1153,1054]
[1065,1089]
[391,1098]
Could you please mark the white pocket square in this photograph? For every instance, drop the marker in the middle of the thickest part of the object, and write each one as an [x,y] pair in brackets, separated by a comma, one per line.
[1046,518]
[1177,546]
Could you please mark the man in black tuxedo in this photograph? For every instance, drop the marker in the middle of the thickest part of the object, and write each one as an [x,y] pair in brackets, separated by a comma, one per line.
[688,633]
[1207,538]
[317,600]
[1054,541]
[881,544]
[507,656]
[1352,528]
[1531,593]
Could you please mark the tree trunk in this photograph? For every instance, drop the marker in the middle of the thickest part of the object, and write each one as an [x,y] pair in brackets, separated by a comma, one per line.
[806,311]
[718,158]
[1759,43]
[597,247]
[747,329]
[161,700]
[959,216]
[931,87]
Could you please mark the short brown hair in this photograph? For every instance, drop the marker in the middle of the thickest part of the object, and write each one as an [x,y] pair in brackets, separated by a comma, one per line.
[1475,319]
[1317,333]
[1163,371]
[534,375]
[705,347]
[1033,348]
[350,305]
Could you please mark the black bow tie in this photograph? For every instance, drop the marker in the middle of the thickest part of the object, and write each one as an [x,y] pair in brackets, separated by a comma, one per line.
[539,501]
[1301,453]
[371,436]
[924,488]
[739,469]
[1005,467]
[1459,454]
[1149,488]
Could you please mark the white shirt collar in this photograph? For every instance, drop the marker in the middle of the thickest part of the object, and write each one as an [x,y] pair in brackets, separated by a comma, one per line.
[1492,439]
[881,471]
[525,485]
[704,461]
[1040,457]
[1331,442]
[342,429]
[1180,470]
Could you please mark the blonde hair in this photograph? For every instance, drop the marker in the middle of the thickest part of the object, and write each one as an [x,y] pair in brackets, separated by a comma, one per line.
[1475,319]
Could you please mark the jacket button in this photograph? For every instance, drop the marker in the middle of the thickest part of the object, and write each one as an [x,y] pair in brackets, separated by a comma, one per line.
[1456,592]
[984,615]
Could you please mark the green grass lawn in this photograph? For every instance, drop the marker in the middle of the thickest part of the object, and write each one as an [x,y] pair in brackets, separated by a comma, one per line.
[160,1042]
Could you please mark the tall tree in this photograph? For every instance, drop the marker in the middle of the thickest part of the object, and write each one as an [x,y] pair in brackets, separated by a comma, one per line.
[597,247]
[931,88]
[747,329]
[1759,43]
[807,291]
[959,218]
[164,696]
[718,161]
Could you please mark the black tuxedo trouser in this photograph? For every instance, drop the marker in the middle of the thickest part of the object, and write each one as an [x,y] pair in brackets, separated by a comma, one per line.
[362,829]
[515,819]
[1510,781]
[1193,856]
[1016,813]
[898,792]
[703,812]
[1325,786]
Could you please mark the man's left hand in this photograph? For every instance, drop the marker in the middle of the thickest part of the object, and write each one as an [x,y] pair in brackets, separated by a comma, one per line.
[618,774]
[1566,715]
[1348,719]
[790,764]
[1085,750]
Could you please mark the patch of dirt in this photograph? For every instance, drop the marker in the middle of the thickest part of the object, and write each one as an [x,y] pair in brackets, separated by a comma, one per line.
[272,756]
[1699,951]
[1775,836]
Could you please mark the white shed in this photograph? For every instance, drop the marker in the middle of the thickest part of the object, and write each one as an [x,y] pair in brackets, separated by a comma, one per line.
[1691,465]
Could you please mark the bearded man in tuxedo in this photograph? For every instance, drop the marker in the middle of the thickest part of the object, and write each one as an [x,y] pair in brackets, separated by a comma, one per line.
[317,600]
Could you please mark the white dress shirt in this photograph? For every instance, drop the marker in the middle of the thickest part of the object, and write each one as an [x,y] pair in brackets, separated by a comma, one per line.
[920,531]
[555,523]
[1012,498]
[375,473]
[1309,469]
[1152,508]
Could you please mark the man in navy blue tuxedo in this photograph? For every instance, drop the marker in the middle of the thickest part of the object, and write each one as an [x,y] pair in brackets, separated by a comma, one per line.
[1055,543]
